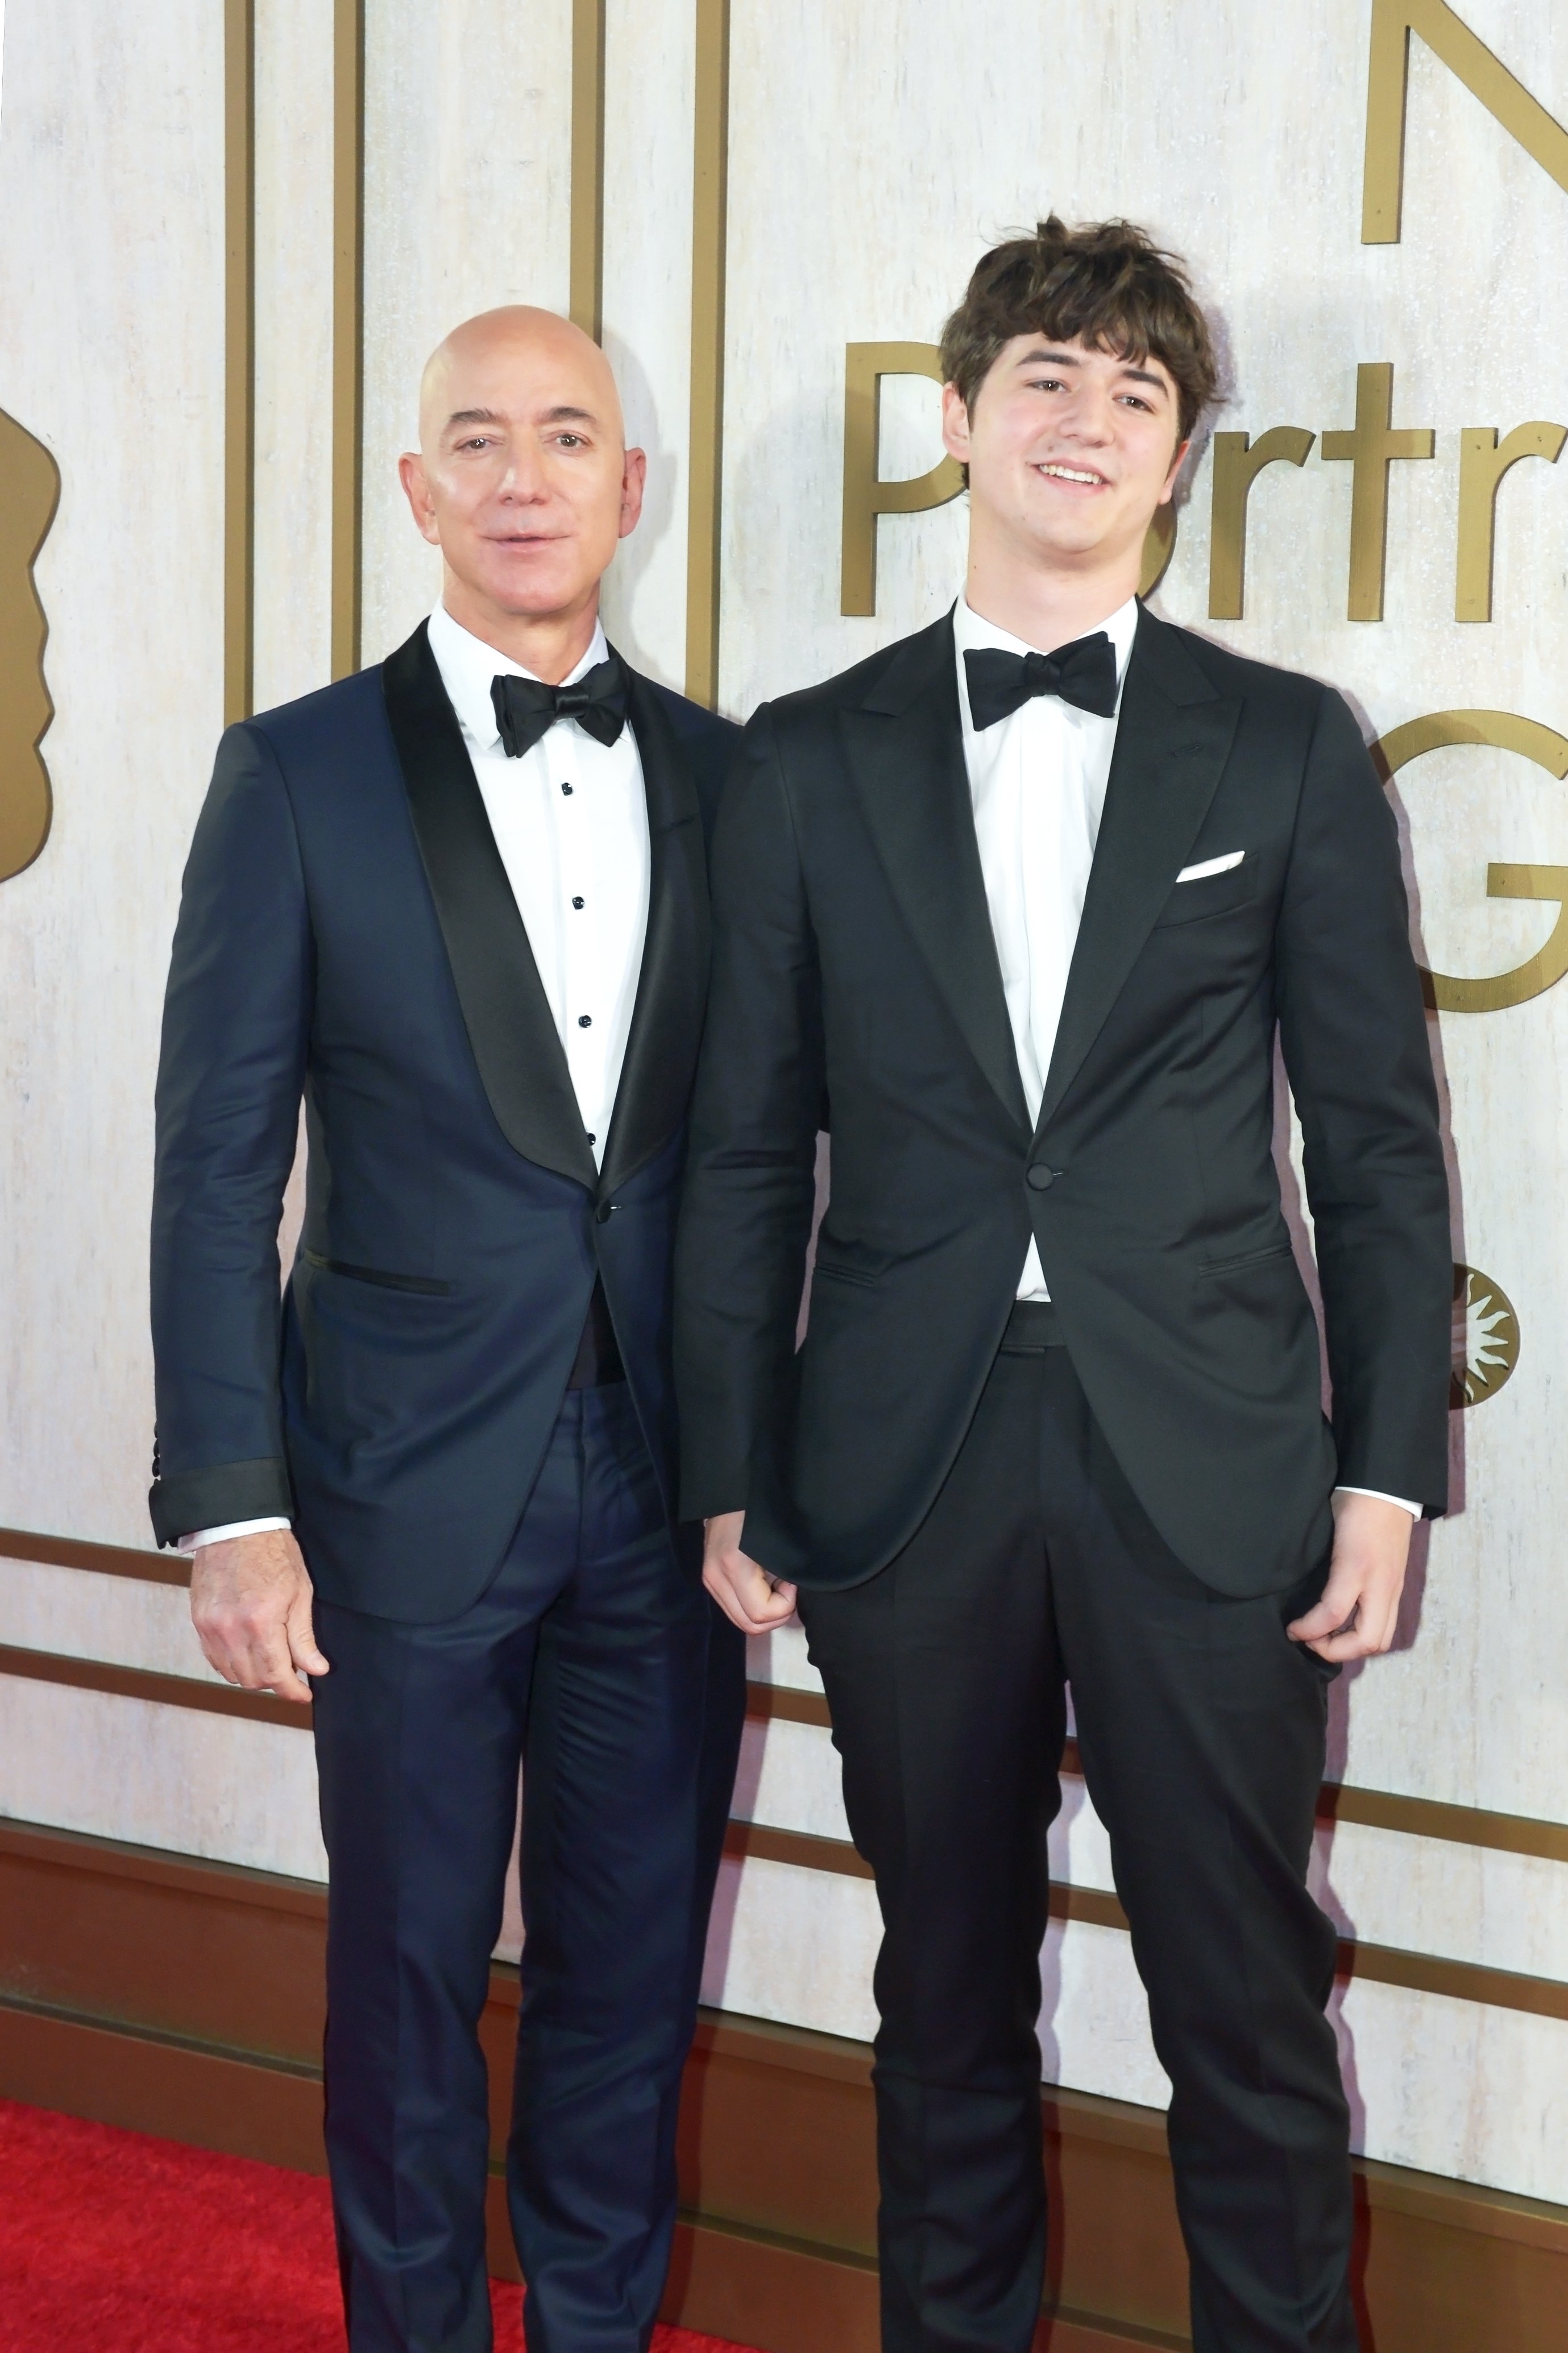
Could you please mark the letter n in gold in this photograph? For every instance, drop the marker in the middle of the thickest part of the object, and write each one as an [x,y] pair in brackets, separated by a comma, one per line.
[1449,39]
[29,492]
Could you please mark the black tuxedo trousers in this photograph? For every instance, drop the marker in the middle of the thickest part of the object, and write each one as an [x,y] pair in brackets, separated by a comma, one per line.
[1201,1728]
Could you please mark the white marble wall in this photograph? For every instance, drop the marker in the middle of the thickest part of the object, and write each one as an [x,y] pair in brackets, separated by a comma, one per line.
[874,152]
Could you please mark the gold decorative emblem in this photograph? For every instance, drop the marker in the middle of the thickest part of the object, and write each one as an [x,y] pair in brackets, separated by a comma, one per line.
[1485,1338]
[29,491]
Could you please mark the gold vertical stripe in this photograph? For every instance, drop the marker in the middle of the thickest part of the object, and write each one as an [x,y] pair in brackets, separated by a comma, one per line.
[709,173]
[348,329]
[240,358]
[587,281]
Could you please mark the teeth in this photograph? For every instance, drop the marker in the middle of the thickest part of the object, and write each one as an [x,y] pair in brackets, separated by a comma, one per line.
[1068,474]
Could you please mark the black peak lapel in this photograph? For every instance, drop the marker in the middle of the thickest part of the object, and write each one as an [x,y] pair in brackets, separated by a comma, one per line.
[523,1064]
[667,1018]
[906,759]
[1173,739]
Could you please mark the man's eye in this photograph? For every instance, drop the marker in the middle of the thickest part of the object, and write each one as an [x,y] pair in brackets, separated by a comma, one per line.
[571,441]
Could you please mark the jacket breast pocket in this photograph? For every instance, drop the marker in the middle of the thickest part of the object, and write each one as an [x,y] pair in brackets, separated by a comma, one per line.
[1211,894]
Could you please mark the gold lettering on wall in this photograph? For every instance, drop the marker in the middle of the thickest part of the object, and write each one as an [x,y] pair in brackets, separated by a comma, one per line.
[29,494]
[1388,75]
[1238,462]
[1482,465]
[1504,730]
[865,496]
[1372,446]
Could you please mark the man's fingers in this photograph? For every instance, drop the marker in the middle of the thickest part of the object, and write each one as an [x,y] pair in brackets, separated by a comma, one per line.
[747,1595]
[217,1659]
[1326,1615]
[302,1640]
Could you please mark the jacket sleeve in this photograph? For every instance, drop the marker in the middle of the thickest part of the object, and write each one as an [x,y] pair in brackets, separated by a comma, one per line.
[746,1214]
[236,1021]
[1353,1032]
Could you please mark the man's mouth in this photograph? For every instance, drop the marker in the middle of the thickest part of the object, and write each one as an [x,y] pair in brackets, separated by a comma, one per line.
[1085,475]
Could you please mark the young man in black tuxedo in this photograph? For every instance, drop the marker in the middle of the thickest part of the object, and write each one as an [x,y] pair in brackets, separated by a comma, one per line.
[460,903]
[1017,910]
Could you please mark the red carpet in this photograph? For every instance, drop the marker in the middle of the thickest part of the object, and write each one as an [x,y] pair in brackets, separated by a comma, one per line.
[116,2240]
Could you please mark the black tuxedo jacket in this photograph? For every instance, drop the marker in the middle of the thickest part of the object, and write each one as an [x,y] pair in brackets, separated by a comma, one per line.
[856,986]
[347,933]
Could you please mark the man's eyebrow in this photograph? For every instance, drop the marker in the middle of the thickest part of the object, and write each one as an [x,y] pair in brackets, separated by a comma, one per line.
[564,414]
[472,417]
[1072,359]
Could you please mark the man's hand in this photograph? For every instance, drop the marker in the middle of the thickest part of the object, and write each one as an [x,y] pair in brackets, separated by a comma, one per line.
[250,1604]
[747,1595]
[1359,1605]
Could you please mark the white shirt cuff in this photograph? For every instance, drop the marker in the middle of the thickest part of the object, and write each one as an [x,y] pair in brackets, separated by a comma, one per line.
[230,1528]
[1403,1501]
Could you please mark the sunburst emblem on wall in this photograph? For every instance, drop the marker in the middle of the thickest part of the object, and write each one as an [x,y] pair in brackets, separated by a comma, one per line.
[1486,1338]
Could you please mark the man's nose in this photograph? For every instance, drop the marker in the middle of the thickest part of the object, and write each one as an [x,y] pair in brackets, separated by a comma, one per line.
[1091,420]
[523,482]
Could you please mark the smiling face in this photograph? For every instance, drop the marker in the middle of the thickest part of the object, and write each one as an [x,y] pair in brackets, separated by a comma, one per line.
[521,478]
[1070,450]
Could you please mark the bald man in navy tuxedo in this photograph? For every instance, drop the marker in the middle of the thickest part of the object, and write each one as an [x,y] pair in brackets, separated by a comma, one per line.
[459,905]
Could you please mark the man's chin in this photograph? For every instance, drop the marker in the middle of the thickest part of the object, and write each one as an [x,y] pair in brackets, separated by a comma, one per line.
[1081,541]
[533,592]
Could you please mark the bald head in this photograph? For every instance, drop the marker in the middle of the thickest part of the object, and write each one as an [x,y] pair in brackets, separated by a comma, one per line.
[523,480]
[519,344]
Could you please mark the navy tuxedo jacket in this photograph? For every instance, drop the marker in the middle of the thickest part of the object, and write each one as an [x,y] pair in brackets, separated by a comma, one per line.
[347,935]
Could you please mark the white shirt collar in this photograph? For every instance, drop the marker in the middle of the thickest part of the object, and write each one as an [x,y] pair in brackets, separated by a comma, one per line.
[971,630]
[468,664]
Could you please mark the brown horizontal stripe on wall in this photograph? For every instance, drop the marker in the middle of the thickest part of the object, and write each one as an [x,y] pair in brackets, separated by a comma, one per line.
[1099,1907]
[1338,1801]
[765,1844]
[789,1705]
[1382,1809]
[107,1561]
[145,1683]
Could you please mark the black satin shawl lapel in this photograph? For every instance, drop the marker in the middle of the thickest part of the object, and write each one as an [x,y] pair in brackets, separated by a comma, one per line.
[666,1017]
[1173,739]
[523,1064]
[906,748]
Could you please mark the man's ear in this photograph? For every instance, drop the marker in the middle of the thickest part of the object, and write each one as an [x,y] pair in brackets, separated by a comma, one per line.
[1177,462]
[954,424]
[634,481]
[417,490]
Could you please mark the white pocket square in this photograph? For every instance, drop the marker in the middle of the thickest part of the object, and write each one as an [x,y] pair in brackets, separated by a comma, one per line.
[1208,866]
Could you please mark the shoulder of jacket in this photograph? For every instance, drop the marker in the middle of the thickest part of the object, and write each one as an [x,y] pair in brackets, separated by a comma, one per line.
[1231,673]
[692,721]
[847,688]
[316,722]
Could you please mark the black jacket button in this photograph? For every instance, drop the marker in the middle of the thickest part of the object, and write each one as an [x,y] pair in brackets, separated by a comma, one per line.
[1041,1178]
[605,1212]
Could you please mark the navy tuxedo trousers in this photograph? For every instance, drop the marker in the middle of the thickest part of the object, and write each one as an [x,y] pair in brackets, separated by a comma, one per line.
[594,1661]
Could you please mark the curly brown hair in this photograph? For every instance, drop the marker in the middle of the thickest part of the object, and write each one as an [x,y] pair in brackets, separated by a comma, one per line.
[1106,284]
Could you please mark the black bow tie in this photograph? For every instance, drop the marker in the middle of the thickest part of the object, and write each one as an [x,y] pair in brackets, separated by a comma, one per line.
[526,707]
[1083,674]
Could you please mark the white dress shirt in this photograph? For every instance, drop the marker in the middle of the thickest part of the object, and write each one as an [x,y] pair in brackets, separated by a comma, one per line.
[1038,781]
[570,820]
